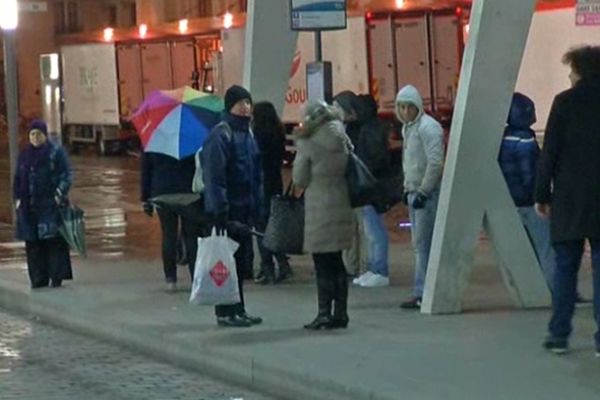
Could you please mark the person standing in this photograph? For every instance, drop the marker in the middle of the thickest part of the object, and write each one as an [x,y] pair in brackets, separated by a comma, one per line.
[568,189]
[355,257]
[269,132]
[319,168]
[518,159]
[160,175]
[371,146]
[41,185]
[233,190]
[423,159]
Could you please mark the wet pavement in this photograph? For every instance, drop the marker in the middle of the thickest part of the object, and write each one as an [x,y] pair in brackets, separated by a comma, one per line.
[107,189]
[491,351]
[38,362]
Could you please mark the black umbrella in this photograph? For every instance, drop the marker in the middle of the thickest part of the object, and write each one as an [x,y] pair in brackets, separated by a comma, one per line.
[72,228]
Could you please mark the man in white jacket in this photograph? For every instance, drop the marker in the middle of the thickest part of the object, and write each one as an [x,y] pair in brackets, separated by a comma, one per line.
[423,159]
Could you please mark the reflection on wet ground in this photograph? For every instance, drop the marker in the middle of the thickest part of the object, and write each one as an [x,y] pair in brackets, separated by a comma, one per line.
[107,189]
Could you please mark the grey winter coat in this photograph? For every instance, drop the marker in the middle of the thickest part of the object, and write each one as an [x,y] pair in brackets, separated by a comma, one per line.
[423,146]
[319,167]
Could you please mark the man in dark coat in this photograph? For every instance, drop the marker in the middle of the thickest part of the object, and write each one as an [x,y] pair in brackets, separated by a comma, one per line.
[233,189]
[162,174]
[568,188]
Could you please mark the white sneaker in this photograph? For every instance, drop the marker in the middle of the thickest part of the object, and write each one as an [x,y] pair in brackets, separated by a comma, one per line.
[362,278]
[376,280]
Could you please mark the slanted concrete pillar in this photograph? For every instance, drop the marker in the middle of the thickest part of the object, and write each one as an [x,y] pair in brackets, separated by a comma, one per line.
[473,192]
[270,46]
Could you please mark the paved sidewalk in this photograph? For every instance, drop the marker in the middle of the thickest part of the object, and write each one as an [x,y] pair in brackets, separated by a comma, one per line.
[492,351]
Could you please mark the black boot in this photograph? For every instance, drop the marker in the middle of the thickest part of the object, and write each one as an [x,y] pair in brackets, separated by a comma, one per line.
[285,271]
[325,292]
[266,276]
[340,302]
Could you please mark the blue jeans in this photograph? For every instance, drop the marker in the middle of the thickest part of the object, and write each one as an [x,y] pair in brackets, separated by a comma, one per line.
[538,230]
[422,222]
[568,261]
[377,241]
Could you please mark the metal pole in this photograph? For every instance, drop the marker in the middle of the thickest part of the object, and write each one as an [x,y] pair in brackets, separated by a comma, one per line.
[318,47]
[12,106]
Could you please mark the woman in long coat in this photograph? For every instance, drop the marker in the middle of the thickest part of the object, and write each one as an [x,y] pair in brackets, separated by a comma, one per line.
[319,168]
[41,184]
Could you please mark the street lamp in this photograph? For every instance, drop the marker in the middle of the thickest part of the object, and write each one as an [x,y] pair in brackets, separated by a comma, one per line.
[9,20]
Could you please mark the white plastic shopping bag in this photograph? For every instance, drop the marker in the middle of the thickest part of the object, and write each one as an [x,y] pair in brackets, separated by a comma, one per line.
[215,277]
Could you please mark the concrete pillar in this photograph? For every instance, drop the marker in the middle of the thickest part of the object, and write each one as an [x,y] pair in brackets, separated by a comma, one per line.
[150,11]
[270,46]
[473,192]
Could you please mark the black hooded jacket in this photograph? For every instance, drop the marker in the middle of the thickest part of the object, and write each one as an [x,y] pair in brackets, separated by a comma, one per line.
[371,143]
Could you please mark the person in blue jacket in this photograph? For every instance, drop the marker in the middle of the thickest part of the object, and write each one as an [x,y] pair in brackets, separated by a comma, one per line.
[41,186]
[233,189]
[519,155]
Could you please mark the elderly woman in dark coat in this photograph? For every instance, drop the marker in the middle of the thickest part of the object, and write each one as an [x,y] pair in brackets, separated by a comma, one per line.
[319,167]
[41,185]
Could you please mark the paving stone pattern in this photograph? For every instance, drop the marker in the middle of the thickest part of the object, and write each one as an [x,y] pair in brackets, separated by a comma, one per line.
[38,362]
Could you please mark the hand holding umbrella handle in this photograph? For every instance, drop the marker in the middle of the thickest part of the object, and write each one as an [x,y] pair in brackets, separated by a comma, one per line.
[148,208]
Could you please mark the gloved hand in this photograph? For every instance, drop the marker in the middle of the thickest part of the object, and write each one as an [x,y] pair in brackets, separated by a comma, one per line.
[60,199]
[148,208]
[419,201]
[219,222]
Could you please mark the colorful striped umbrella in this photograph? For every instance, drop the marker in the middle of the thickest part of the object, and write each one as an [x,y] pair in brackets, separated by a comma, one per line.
[176,122]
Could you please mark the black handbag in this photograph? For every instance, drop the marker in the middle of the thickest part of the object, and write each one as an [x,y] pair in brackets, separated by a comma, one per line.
[362,185]
[285,228]
[390,191]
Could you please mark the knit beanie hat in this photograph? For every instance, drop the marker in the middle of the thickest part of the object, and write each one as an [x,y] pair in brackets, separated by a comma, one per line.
[234,94]
[38,124]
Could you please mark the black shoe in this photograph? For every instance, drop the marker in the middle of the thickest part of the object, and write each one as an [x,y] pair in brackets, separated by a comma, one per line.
[56,283]
[285,273]
[412,304]
[259,275]
[265,279]
[555,345]
[581,301]
[39,285]
[233,321]
[339,323]
[253,320]
[322,321]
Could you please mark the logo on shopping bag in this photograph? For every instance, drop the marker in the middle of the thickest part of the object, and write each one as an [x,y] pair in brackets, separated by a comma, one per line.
[219,273]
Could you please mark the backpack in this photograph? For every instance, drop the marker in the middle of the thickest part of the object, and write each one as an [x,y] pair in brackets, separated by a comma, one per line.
[198,181]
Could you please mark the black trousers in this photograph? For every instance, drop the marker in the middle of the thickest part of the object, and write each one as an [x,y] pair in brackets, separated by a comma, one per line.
[329,265]
[48,259]
[170,221]
[243,266]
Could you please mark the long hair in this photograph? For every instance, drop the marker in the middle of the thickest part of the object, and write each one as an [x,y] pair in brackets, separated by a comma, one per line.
[266,121]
